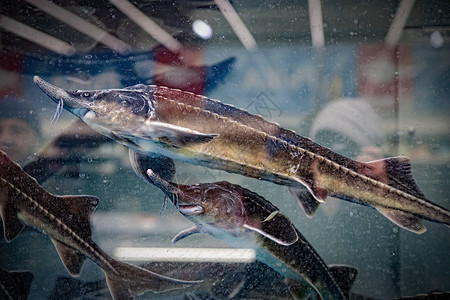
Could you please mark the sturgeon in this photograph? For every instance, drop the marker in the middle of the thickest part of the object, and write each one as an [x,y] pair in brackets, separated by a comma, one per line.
[243,218]
[201,131]
[66,220]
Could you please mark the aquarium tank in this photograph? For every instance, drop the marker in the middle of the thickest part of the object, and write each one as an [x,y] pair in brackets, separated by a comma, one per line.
[224,149]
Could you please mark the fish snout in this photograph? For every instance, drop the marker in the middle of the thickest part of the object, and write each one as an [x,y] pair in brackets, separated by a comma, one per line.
[77,104]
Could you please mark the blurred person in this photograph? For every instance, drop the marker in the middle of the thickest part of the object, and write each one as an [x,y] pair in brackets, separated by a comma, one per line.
[349,127]
[19,130]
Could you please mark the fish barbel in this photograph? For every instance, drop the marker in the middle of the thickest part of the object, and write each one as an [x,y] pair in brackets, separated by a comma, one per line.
[243,218]
[66,220]
[201,131]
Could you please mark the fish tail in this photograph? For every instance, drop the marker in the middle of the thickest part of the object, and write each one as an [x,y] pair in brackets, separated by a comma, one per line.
[395,172]
[127,280]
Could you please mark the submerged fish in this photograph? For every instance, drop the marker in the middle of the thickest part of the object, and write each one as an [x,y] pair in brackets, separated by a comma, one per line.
[241,218]
[66,220]
[15,285]
[206,132]
[219,281]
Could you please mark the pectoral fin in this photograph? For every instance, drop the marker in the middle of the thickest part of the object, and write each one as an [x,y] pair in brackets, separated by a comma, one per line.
[403,219]
[72,259]
[185,233]
[177,135]
[306,200]
[275,227]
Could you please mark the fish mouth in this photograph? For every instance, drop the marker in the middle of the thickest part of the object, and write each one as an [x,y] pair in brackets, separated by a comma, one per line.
[189,209]
[75,105]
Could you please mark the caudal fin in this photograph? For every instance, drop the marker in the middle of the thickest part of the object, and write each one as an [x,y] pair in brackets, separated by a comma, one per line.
[132,280]
[396,173]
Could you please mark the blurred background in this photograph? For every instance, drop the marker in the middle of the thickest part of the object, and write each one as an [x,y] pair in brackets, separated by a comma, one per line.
[369,80]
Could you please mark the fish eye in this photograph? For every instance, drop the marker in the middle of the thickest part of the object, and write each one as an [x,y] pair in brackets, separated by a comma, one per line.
[86,94]
[124,103]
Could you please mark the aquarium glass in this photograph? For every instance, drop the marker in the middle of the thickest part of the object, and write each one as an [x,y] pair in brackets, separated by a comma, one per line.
[367,80]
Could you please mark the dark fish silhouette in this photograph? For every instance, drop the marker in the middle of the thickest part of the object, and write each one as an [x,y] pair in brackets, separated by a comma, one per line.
[15,285]
[66,220]
[201,131]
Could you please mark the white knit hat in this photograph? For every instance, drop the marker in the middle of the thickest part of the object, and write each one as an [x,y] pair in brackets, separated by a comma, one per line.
[352,118]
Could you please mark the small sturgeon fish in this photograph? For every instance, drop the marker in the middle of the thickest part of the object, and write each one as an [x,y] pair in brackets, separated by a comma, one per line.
[15,285]
[201,131]
[241,217]
[66,220]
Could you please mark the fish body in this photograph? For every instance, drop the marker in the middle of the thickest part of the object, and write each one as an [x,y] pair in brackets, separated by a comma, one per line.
[66,220]
[201,131]
[243,218]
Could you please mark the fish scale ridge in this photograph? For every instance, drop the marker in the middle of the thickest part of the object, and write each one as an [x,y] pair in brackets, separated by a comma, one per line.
[311,154]
[219,102]
[61,224]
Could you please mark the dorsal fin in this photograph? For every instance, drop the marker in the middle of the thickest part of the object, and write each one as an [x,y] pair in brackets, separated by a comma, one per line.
[72,259]
[397,174]
[344,276]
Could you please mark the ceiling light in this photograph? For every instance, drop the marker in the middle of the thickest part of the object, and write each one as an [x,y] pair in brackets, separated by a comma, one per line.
[202,29]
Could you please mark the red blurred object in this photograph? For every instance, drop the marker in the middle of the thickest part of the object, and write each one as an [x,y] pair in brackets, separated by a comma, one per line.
[183,70]
[383,72]
[11,66]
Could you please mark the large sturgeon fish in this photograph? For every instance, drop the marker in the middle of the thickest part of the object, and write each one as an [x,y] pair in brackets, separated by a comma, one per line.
[243,218]
[201,131]
[66,220]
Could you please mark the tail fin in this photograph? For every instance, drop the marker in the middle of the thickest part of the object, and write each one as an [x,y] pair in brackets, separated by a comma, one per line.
[132,280]
[15,284]
[396,172]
